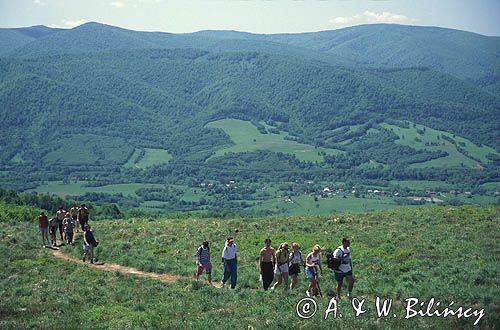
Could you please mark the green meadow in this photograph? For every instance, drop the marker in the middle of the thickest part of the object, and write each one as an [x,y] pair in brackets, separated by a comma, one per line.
[305,204]
[418,136]
[150,157]
[246,138]
[397,254]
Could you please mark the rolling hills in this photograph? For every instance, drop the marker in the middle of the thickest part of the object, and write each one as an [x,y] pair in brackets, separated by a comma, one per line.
[104,105]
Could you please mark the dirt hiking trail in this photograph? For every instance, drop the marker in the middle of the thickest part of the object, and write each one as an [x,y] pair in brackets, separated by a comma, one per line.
[165,278]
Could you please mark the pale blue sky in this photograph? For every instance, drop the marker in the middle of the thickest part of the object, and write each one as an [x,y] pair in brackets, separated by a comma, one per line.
[258,16]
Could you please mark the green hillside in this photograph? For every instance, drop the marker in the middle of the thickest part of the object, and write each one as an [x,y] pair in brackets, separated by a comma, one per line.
[398,254]
[363,45]
[461,152]
[247,138]
[103,105]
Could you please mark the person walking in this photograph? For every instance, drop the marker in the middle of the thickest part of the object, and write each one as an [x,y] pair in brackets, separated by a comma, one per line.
[53,224]
[88,243]
[60,214]
[281,267]
[296,261]
[343,254]
[230,262]
[203,262]
[83,216]
[69,226]
[312,263]
[74,215]
[267,260]
[43,225]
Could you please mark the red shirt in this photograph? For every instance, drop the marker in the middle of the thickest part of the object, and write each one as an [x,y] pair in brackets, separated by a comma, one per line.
[43,221]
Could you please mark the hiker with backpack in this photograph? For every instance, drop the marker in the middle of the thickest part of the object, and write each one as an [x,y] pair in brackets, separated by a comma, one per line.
[203,262]
[53,225]
[43,225]
[267,260]
[313,261]
[344,269]
[295,262]
[281,267]
[60,214]
[83,216]
[68,225]
[89,242]
[229,259]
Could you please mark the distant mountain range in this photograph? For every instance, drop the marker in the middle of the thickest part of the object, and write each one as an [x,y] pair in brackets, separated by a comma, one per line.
[112,92]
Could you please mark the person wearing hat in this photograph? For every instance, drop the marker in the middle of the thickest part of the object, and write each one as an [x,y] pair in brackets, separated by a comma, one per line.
[229,260]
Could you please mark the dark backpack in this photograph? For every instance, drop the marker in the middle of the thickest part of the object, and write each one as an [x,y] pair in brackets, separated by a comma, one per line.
[331,261]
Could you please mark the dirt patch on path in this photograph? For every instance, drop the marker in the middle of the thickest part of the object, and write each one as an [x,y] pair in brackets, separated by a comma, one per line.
[165,278]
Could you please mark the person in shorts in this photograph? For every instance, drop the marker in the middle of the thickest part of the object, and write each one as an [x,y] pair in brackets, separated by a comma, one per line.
[296,261]
[88,243]
[281,267]
[313,261]
[43,225]
[203,262]
[345,269]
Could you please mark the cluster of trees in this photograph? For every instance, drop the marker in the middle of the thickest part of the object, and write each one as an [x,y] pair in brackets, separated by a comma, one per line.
[51,203]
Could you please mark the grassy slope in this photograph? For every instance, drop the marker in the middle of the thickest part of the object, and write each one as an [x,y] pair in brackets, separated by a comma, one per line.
[397,254]
[411,252]
[151,157]
[246,137]
[454,158]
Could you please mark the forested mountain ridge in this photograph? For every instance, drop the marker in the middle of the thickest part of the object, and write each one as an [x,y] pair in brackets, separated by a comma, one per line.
[463,54]
[104,104]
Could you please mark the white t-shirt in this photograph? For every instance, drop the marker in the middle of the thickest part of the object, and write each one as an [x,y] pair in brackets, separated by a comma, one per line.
[345,265]
[229,252]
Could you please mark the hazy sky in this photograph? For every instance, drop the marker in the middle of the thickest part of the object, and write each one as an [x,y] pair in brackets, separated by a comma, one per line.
[259,16]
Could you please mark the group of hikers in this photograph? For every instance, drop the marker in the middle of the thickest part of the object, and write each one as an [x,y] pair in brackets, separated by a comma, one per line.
[277,265]
[67,222]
